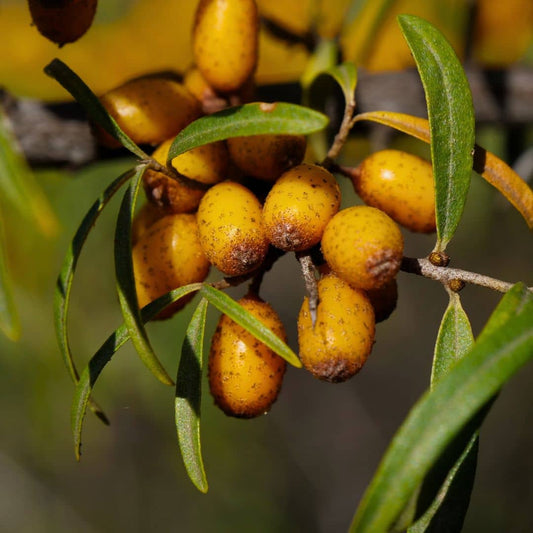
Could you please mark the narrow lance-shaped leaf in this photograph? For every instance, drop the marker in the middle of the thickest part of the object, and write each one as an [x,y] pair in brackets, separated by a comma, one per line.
[90,102]
[345,75]
[189,395]
[495,171]
[445,492]
[323,58]
[66,277]
[244,318]
[126,282]
[99,360]
[18,184]
[451,121]
[248,119]
[440,415]
[9,319]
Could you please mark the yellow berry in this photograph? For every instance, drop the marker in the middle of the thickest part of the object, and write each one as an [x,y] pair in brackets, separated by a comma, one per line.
[363,246]
[225,41]
[206,164]
[62,21]
[245,376]
[231,232]
[167,256]
[147,215]
[341,340]
[402,185]
[299,206]
[149,110]
[266,157]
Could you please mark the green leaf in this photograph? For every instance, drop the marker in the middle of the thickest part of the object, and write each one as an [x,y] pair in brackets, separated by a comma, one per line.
[126,281]
[104,354]
[454,339]
[66,277]
[323,58]
[445,492]
[345,75]
[188,397]
[90,102]
[18,184]
[9,319]
[248,119]
[451,121]
[441,414]
[244,318]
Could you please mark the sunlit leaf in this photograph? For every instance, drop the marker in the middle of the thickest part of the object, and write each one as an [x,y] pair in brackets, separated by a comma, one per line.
[323,58]
[189,395]
[104,354]
[9,319]
[244,318]
[451,121]
[440,415]
[494,170]
[126,281]
[18,185]
[445,492]
[248,119]
[90,102]
[66,276]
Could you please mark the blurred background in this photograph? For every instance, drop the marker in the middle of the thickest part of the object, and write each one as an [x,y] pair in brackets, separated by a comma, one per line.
[305,465]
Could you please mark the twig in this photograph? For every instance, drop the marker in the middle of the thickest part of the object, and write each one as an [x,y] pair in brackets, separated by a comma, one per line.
[342,135]
[308,271]
[172,173]
[448,276]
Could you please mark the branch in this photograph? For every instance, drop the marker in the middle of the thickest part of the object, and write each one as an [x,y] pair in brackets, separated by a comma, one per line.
[452,277]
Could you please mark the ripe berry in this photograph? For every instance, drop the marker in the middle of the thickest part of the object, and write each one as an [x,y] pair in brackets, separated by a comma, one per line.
[167,256]
[402,185]
[384,299]
[225,42]
[230,228]
[245,376]
[299,206]
[338,345]
[149,110]
[206,164]
[363,246]
[266,157]
[62,21]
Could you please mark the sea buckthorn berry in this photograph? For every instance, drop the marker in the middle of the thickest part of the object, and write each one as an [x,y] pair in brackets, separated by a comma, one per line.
[62,21]
[149,110]
[299,206]
[147,215]
[267,157]
[341,340]
[167,256]
[230,227]
[225,42]
[206,164]
[245,376]
[363,246]
[402,185]
[384,300]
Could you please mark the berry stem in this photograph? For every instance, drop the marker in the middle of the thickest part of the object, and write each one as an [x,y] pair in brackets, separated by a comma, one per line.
[446,275]
[172,173]
[308,271]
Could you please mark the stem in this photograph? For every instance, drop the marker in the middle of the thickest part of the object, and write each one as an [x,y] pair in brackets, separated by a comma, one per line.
[308,271]
[172,173]
[342,135]
[446,275]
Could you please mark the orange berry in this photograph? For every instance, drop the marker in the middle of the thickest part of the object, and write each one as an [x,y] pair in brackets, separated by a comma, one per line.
[245,376]
[363,246]
[402,185]
[341,340]
[299,206]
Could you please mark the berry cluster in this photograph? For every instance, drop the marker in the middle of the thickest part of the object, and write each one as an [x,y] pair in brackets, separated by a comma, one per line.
[235,205]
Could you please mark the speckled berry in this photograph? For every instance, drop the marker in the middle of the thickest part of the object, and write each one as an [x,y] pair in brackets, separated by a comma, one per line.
[341,340]
[245,376]
[299,206]
[363,246]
